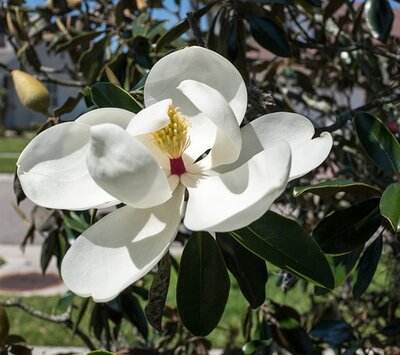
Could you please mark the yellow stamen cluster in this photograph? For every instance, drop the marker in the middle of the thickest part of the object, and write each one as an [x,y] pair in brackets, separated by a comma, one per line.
[173,139]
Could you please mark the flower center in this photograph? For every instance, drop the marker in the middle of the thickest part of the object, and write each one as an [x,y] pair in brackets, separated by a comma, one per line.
[173,140]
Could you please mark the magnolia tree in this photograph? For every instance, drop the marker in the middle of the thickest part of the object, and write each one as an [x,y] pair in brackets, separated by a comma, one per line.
[191,136]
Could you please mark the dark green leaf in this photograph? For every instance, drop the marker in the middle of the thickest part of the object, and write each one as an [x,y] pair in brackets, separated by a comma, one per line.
[282,2]
[100,352]
[68,105]
[269,34]
[19,193]
[379,16]
[181,27]
[331,187]
[175,32]
[380,145]
[255,347]
[203,284]
[346,230]
[49,248]
[367,267]
[110,95]
[65,301]
[132,310]
[392,329]
[84,38]
[333,332]
[278,240]
[390,205]
[20,350]
[158,293]
[15,339]
[289,333]
[315,3]
[249,270]
[342,266]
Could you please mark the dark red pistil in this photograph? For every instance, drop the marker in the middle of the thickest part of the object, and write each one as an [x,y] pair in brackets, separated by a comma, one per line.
[177,166]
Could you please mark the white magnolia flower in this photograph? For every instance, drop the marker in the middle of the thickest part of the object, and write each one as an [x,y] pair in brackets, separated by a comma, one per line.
[147,161]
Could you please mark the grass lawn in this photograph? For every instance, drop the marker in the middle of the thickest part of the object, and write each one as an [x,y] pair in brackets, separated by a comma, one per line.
[10,147]
[13,144]
[7,165]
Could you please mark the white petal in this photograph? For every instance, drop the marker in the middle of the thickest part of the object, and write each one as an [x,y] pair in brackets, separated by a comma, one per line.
[198,64]
[228,142]
[235,199]
[120,249]
[307,155]
[118,116]
[53,173]
[124,167]
[151,119]
[297,130]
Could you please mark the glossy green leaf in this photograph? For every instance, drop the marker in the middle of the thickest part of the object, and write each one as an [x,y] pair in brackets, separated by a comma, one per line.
[380,145]
[100,352]
[346,230]
[342,266]
[132,310]
[256,347]
[83,38]
[282,242]
[379,16]
[366,267]
[175,32]
[390,205]
[333,332]
[181,27]
[270,34]
[158,293]
[110,95]
[331,187]
[203,284]
[249,270]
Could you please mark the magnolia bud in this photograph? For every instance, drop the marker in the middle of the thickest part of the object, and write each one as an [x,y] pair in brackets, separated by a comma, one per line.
[31,92]
[4,326]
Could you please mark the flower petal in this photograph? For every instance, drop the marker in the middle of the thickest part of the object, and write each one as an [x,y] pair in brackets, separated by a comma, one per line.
[120,249]
[228,141]
[53,173]
[151,119]
[235,199]
[123,167]
[297,130]
[118,116]
[198,64]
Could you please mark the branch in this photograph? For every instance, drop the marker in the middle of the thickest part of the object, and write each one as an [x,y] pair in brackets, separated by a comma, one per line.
[343,117]
[195,29]
[64,318]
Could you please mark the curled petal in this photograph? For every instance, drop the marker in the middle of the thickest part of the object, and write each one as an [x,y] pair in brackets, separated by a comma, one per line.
[200,64]
[117,116]
[151,119]
[228,140]
[297,130]
[53,172]
[234,199]
[124,167]
[120,249]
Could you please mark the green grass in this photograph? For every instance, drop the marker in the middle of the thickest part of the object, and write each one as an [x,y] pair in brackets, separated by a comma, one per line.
[7,165]
[13,144]
[38,332]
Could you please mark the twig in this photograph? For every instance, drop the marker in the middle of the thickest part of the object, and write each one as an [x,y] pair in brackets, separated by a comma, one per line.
[61,318]
[5,67]
[64,318]
[343,117]
[195,29]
